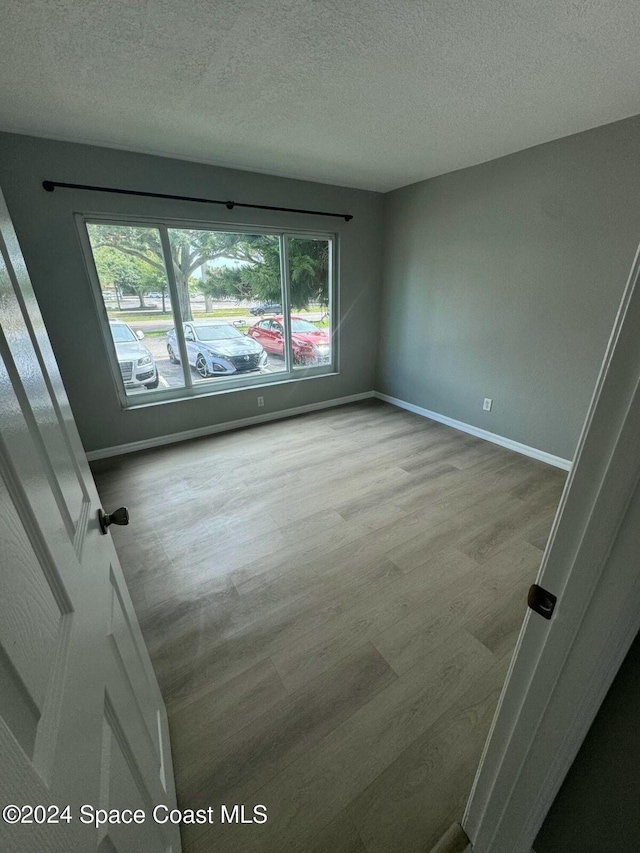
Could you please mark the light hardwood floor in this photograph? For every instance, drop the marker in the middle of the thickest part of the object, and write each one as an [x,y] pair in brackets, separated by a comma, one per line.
[330,603]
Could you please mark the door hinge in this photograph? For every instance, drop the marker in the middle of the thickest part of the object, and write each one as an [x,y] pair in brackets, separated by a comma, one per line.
[542,601]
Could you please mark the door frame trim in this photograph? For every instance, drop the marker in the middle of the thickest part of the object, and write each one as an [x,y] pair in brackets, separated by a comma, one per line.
[562,669]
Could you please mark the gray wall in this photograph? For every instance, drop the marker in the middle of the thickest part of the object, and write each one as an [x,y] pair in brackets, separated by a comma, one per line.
[500,281]
[597,810]
[47,233]
[503,281]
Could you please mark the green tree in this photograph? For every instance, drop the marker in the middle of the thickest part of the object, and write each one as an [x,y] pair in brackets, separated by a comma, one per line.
[154,280]
[260,278]
[124,274]
[223,282]
[309,272]
[190,250]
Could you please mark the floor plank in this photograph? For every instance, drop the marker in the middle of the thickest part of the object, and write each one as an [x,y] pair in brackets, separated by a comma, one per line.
[421,788]
[330,607]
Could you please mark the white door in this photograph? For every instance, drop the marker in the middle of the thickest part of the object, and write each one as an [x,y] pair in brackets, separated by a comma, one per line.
[82,721]
[564,666]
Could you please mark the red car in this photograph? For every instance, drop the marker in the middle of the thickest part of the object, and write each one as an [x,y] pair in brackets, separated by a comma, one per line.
[310,344]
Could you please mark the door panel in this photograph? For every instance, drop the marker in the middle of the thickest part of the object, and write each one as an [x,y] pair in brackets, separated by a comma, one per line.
[192,347]
[123,787]
[278,334]
[29,614]
[130,661]
[268,338]
[82,720]
[48,427]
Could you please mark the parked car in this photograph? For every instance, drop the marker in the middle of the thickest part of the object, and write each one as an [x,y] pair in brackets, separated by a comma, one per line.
[137,365]
[265,308]
[310,344]
[216,348]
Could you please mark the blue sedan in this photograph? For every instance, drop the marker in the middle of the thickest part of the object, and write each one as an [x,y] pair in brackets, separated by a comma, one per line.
[216,348]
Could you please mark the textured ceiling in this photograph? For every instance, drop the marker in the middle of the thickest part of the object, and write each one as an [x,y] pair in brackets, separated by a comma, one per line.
[373,94]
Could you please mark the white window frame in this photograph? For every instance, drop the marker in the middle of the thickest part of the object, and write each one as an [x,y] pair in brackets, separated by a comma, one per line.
[216,385]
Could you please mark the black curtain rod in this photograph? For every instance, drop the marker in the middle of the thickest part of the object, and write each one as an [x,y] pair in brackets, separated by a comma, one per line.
[50,186]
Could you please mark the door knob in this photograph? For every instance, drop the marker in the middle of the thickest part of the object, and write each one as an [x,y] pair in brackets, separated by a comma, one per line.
[118,516]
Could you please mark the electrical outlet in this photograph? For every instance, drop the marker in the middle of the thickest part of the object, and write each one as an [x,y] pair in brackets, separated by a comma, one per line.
[488,402]
[260,402]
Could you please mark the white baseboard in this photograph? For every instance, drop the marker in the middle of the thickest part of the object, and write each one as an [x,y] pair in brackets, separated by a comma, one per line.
[533,452]
[227,426]
[158,441]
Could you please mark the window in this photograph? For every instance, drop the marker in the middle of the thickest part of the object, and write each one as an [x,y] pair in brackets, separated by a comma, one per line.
[195,310]
[309,262]
[135,293]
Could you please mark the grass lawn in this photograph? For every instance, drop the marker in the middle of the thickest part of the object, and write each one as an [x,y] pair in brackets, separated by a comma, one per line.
[133,316]
[242,327]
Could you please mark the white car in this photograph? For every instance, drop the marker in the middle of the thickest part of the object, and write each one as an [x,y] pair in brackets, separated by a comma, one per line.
[137,365]
[216,348]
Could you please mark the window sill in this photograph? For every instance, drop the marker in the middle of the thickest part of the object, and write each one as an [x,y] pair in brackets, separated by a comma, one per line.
[180,395]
